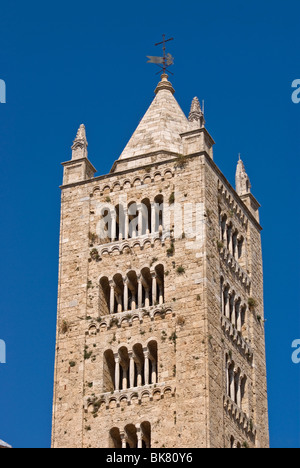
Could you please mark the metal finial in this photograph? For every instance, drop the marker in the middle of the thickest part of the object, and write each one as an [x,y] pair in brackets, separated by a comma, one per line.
[166,60]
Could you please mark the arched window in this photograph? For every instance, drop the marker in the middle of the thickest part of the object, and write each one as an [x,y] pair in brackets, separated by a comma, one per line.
[104,228]
[131,436]
[234,243]
[146,434]
[223,227]
[115,438]
[104,299]
[153,360]
[120,222]
[160,290]
[158,212]
[109,367]
[132,285]
[119,293]
[228,233]
[133,220]
[124,368]
[145,217]
[139,361]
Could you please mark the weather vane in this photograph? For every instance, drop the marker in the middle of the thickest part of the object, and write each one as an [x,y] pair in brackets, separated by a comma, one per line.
[166,60]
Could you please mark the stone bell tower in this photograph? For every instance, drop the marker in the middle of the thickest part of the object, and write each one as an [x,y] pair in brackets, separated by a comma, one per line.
[160,327]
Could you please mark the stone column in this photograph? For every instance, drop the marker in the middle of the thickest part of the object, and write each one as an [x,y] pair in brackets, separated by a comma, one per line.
[147,298]
[154,372]
[228,235]
[140,219]
[120,307]
[140,293]
[125,295]
[133,301]
[153,218]
[231,305]
[238,316]
[231,383]
[227,377]
[146,367]
[139,375]
[161,294]
[112,298]
[239,393]
[131,371]
[139,437]
[126,227]
[154,289]
[123,440]
[113,226]
[124,376]
[117,373]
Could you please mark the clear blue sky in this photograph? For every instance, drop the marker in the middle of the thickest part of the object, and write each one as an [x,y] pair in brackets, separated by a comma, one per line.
[67,63]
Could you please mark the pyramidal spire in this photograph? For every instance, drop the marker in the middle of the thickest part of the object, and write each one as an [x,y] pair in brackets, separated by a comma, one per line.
[196,116]
[161,127]
[80,144]
[242,181]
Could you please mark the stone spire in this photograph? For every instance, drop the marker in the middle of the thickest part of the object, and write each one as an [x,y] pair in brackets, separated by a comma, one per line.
[161,126]
[196,116]
[79,168]
[242,181]
[80,144]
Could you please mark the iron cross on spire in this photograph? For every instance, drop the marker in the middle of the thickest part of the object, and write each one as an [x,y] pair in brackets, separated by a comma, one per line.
[166,60]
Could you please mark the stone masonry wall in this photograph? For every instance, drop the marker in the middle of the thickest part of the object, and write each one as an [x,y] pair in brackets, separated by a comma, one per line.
[187,407]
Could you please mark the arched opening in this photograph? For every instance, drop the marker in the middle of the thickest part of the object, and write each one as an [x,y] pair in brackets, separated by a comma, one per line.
[139,360]
[109,371]
[159,213]
[104,299]
[153,362]
[147,287]
[223,227]
[120,222]
[104,229]
[146,217]
[124,368]
[146,434]
[244,396]
[115,438]
[132,290]
[131,436]
[133,220]
[234,243]
[119,293]
[231,307]
[160,279]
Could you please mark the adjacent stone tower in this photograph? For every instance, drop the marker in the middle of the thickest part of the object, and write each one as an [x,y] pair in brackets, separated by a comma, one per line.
[160,329]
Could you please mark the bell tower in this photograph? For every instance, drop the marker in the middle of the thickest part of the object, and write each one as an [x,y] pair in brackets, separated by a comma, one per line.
[160,330]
